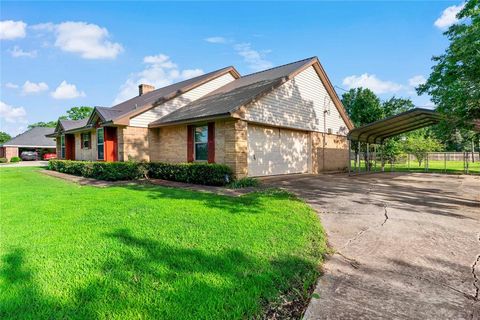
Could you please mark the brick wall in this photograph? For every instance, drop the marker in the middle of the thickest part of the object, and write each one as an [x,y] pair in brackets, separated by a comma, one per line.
[8,152]
[133,144]
[331,157]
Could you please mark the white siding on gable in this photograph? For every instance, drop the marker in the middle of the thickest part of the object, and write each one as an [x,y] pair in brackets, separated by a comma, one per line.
[142,120]
[301,103]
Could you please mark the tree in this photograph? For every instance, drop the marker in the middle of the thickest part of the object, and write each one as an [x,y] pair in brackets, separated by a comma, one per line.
[420,144]
[454,81]
[49,124]
[78,113]
[362,106]
[4,137]
[394,106]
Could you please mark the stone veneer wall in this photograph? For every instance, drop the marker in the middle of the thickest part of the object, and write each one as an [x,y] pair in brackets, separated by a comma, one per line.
[133,144]
[169,144]
[335,155]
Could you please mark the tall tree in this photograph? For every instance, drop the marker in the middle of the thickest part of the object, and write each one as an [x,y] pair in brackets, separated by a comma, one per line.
[455,78]
[362,106]
[394,106]
[78,113]
[4,137]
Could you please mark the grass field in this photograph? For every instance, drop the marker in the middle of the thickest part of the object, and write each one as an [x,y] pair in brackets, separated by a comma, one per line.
[433,166]
[132,252]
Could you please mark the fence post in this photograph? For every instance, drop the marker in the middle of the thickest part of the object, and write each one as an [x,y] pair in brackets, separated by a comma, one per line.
[408,161]
[375,157]
[368,157]
[445,162]
[358,156]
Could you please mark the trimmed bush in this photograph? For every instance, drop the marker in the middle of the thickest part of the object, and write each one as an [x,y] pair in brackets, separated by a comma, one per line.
[199,173]
[15,159]
[211,174]
[111,171]
[3,160]
[246,182]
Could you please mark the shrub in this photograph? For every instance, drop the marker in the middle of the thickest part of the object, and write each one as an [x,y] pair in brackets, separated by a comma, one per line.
[15,159]
[3,160]
[111,171]
[244,183]
[199,173]
[212,174]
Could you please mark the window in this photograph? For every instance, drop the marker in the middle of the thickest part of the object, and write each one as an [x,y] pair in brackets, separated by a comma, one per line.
[62,146]
[201,143]
[100,151]
[86,140]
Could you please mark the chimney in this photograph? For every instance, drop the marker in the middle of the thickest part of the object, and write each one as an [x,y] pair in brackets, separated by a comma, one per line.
[144,88]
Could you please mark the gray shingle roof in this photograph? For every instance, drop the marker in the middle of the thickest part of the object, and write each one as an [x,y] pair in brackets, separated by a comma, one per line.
[34,137]
[73,124]
[233,95]
[159,95]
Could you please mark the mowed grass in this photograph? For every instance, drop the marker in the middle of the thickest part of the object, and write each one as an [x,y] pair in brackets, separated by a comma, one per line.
[437,166]
[136,252]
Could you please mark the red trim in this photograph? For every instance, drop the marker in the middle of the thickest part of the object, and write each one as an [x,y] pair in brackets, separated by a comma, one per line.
[211,142]
[70,146]
[110,144]
[190,143]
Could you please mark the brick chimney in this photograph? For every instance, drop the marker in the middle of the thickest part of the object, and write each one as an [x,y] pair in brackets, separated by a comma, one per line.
[144,88]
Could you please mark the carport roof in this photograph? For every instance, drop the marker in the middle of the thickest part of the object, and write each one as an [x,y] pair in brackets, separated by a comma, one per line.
[378,131]
[33,138]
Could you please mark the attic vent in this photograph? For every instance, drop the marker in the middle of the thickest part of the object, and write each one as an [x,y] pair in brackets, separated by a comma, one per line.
[144,88]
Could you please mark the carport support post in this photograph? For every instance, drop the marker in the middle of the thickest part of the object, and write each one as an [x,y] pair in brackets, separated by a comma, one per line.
[349,157]
[375,157]
[445,162]
[358,156]
[368,157]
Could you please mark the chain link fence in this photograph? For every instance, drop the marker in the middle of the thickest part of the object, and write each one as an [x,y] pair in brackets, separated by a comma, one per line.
[438,162]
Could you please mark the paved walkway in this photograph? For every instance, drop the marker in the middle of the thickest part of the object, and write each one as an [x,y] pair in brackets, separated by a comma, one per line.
[407,245]
[25,164]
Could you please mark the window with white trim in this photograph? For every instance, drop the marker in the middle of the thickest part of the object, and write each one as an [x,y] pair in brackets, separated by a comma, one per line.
[62,146]
[100,142]
[201,143]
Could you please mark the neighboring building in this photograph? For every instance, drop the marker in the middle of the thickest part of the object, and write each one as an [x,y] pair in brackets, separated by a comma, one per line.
[31,140]
[283,120]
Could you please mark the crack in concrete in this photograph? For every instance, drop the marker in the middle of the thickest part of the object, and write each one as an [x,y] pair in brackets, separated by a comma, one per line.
[476,280]
[354,263]
[385,213]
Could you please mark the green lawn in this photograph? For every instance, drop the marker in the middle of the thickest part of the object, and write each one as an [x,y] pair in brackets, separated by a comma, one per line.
[135,252]
[433,166]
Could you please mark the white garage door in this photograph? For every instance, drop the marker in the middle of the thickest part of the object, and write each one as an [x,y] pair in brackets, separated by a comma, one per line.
[274,151]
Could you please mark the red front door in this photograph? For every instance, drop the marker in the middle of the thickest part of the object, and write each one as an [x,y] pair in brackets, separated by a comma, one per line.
[70,146]
[110,144]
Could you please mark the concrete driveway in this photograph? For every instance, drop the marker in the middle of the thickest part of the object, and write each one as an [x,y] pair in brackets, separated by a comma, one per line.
[407,245]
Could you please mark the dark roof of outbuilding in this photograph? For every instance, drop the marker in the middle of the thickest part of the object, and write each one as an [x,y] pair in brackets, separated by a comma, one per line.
[378,131]
[235,94]
[34,137]
[73,124]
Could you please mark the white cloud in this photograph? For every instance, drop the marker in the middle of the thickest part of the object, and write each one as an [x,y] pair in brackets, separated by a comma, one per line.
[17,52]
[253,58]
[32,87]
[88,40]
[12,114]
[160,71]
[10,29]
[216,40]
[10,85]
[448,17]
[371,82]
[415,81]
[67,91]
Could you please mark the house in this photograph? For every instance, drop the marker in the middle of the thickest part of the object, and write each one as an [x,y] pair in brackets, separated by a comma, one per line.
[283,120]
[31,140]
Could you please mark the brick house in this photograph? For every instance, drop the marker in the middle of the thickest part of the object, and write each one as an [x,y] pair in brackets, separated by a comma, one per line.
[282,120]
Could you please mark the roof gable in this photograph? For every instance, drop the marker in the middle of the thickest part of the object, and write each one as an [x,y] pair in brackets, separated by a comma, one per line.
[35,137]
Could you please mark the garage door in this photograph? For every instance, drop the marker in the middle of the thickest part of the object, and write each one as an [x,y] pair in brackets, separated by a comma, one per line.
[273,151]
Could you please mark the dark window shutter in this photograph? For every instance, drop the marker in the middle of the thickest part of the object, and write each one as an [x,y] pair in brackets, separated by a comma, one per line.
[190,143]
[89,140]
[211,142]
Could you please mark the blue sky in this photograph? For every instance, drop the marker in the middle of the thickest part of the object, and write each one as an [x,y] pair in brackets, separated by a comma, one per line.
[58,55]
